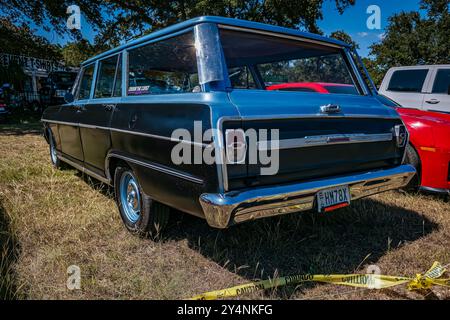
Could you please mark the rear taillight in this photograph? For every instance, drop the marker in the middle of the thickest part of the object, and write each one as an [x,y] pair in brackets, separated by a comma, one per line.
[236,146]
[401,135]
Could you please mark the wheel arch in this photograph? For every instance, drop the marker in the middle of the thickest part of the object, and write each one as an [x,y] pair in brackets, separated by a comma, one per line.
[419,169]
[111,163]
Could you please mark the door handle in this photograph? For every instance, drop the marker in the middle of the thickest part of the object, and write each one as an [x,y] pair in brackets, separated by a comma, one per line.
[432,101]
[109,107]
[132,121]
[80,107]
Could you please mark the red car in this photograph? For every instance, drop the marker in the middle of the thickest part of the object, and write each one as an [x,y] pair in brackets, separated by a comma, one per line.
[429,145]
[321,87]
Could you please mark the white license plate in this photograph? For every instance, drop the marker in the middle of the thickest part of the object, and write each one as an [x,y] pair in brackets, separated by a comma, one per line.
[333,198]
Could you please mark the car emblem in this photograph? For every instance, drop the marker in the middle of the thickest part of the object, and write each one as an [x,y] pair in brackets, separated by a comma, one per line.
[330,108]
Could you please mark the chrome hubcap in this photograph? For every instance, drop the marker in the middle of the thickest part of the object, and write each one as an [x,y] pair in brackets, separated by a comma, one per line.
[130,197]
[53,151]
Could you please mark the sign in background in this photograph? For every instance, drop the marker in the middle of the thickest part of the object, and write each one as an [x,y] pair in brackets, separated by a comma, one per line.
[30,63]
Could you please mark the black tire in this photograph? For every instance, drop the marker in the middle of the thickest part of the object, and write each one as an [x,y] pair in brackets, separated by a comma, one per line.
[153,216]
[55,161]
[413,159]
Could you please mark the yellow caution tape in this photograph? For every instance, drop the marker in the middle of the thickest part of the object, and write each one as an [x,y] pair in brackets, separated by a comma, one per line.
[370,281]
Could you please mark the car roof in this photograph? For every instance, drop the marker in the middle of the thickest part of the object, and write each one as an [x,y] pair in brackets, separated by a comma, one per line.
[420,66]
[221,21]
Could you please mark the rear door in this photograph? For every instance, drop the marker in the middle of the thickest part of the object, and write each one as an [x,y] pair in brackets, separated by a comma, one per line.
[407,86]
[95,117]
[438,98]
[69,116]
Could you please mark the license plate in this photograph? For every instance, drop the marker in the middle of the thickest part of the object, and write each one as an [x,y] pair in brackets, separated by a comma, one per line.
[333,198]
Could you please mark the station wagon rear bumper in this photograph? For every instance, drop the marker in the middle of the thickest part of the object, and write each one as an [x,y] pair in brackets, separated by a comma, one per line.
[223,210]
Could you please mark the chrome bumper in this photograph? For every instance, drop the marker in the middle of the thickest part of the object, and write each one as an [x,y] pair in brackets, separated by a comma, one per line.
[223,210]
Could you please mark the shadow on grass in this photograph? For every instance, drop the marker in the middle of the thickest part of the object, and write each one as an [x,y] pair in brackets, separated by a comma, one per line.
[9,250]
[335,243]
[338,242]
[21,124]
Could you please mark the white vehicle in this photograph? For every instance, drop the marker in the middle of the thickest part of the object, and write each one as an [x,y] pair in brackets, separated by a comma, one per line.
[419,87]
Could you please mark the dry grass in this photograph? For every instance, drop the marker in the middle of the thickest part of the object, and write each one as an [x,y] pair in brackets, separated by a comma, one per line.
[52,219]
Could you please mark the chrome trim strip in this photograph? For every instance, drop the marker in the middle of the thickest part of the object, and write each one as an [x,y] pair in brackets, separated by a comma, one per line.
[152,166]
[61,122]
[317,115]
[222,166]
[224,209]
[88,126]
[84,170]
[324,140]
[278,35]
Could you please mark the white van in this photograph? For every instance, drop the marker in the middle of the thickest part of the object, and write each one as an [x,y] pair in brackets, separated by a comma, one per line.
[419,87]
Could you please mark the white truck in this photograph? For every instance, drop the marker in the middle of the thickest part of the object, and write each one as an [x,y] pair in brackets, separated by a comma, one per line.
[424,87]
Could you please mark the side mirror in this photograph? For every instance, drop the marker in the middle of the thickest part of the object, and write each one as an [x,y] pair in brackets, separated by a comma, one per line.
[68,97]
[448,90]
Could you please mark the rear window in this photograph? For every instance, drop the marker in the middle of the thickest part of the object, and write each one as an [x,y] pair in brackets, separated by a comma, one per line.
[408,80]
[342,89]
[442,82]
[279,63]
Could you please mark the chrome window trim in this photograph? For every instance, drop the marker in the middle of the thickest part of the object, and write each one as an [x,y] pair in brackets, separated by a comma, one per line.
[356,73]
[278,35]
[151,165]
[371,84]
[325,140]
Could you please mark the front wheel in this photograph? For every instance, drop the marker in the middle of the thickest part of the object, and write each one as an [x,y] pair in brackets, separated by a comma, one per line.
[138,211]
[53,154]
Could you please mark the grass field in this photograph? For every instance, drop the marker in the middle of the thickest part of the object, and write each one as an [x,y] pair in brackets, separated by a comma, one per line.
[52,219]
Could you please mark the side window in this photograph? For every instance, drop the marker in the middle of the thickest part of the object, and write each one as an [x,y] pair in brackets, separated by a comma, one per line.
[86,82]
[167,66]
[105,77]
[241,78]
[442,82]
[408,80]
[118,83]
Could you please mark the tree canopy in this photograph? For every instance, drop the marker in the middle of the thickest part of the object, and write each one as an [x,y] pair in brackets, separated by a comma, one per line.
[20,39]
[412,39]
[116,20]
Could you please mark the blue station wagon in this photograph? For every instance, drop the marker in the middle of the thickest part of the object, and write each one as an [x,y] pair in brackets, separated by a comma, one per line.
[190,117]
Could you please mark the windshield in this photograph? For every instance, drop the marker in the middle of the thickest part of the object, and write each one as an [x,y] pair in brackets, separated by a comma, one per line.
[63,79]
[266,62]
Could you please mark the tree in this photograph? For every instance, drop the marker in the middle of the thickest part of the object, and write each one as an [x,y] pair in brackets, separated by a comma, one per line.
[74,53]
[411,39]
[131,18]
[50,13]
[21,40]
[345,37]
[140,17]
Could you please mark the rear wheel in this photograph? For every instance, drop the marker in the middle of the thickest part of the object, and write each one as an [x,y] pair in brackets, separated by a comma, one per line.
[139,212]
[413,159]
